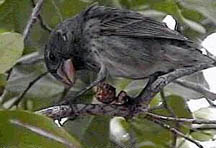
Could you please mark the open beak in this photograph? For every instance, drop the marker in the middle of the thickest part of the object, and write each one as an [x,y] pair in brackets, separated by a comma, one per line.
[66,72]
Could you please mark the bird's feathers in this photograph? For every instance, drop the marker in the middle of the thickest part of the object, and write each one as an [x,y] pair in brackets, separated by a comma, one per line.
[130,24]
[125,42]
[133,46]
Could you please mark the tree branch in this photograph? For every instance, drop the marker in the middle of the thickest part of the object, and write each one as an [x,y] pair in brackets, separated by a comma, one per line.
[151,90]
[57,11]
[187,120]
[62,111]
[131,108]
[33,18]
[20,97]
[173,130]
[42,23]
[170,110]
[128,108]
[198,88]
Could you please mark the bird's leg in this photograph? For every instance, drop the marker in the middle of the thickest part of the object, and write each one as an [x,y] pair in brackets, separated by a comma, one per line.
[101,76]
[151,80]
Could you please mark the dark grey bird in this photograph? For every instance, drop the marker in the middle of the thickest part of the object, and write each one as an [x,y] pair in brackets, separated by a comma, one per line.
[119,43]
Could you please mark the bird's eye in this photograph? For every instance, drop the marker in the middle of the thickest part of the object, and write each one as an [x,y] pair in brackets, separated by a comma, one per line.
[52,57]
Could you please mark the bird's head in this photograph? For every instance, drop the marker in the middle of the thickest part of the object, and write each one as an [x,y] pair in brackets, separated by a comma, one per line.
[58,57]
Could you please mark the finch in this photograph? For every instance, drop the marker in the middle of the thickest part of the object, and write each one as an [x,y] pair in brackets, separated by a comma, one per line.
[119,43]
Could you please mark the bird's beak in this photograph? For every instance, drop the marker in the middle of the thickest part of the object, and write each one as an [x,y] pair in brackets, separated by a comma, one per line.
[66,72]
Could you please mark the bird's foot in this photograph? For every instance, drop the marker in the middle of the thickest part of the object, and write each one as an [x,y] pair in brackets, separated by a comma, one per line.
[105,93]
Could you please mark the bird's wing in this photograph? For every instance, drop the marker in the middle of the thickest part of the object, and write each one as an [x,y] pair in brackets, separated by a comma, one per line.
[133,46]
[128,23]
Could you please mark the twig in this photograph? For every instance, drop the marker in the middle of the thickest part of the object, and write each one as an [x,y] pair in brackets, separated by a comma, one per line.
[173,130]
[203,128]
[198,88]
[63,95]
[57,11]
[181,143]
[62,111]
[26,90]
[210,102]
[33,18]
[166,105]
[150,91]
[187,120]
[30,59]
[42,23]
[155,108]
[169,109]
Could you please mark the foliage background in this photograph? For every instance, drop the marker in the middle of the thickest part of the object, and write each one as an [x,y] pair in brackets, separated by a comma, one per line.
[21,63]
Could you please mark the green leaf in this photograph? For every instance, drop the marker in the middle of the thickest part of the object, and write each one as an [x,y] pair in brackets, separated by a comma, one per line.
[194,25]
[67,8]
[179,106]
[167,6]
[2,1]
[97,132]
[207,7]
[14,14]
[197,78]
[93,132]
[3,80]
[11,48]
[42,94]
[182,143]
[120,132]
[155,101]
[203,135]
[22,129]
[205,113]
[150,133]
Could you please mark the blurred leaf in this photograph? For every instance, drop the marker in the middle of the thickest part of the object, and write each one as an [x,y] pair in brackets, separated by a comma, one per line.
[191,20]
[179,107]
[121,84]
[97,132]
[155,101]
[168,6]
[182,143]
[67,9]
[91,131]
[149,134]
[194,25]
[3,80]
[186,93]
[153,135]
[2,1]
[14,14]
[205,113]
[78,127]
[207,7]
[153,14]
[203,135]
[120,132]
[27,130]
[11,48]
[43,93]
[135,87]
